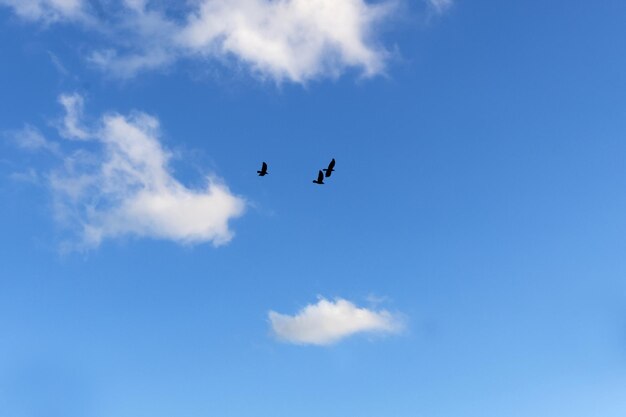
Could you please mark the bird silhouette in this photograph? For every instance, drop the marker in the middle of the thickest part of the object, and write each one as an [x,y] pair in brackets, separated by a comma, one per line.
[263,170]
[330,169]
[320,178]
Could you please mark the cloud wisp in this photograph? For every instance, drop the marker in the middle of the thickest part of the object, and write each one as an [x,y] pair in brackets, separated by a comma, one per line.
[282,40]
[31,139]
[440,6]
[47,10]
[328,322]
[117,182]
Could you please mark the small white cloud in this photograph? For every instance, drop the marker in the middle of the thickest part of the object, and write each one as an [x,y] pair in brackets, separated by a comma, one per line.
[129,65]
[328,322]
[56,62]
[29,176]
[73,105]
[31,139]
[127,189]
[377,299]
[440,6]
[46,10]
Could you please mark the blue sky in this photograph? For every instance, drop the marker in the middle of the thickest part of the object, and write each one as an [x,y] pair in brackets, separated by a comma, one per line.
[465,259]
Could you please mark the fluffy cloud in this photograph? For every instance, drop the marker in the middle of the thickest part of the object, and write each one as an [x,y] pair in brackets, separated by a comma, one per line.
[284,40]
[126,188]
[289,39]
[328,322]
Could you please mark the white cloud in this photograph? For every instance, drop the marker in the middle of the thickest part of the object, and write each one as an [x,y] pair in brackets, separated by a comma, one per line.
[127,189]
[328,322]
[440,6]
[46,10]
[31,139]
[56,62]
[290,39]
[29,176]
[284,40]
[73,105]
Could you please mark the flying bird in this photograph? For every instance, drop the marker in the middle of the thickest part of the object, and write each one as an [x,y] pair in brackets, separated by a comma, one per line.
[320,178]
[263,170]
[330,169]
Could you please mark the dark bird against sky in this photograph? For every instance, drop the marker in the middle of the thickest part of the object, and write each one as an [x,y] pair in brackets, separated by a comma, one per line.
[263,170]
[320,178]
[330,169]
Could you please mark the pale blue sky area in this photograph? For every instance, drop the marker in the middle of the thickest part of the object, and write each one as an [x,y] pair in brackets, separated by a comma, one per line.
[479,200]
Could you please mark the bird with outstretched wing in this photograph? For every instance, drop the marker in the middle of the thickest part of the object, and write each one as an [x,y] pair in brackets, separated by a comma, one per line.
[320,178]
[330,169]
[263,170]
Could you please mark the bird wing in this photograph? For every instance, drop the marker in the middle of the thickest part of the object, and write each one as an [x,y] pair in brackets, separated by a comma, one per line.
[331,165]
[320,176]
[264,167]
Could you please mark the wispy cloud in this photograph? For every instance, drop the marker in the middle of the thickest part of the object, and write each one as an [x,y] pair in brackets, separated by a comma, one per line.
[47,10]
[440,6]
[288,40]
[31,139]
[117,182]
[328,322]
[70,128]
[56,62]
[30,176]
